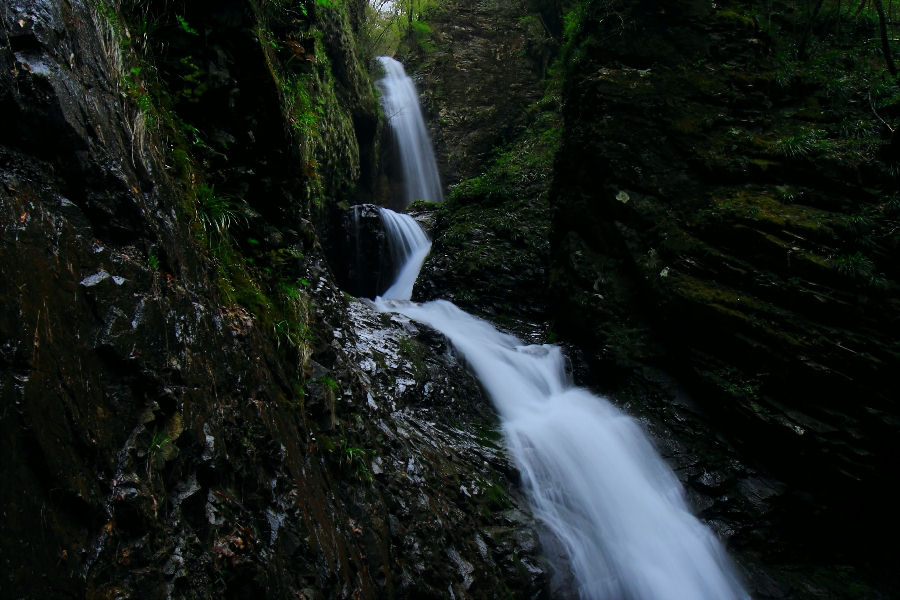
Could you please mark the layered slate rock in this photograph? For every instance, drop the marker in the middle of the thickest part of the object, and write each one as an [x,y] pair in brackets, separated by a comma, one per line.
[187,410]
[481,69]
[713,219]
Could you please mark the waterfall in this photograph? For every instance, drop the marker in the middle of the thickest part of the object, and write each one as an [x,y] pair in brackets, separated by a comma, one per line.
[409,246]
[401,105]
[592,475]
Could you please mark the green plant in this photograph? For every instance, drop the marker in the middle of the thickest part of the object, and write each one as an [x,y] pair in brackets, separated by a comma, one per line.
[158,439]
[185,27]
[194,80]
[292,332]
[806,142]
[855,266]
[217,213]
[329,383]
[420,34]
[159,449]
[356,459]
[153,261]
[192,134]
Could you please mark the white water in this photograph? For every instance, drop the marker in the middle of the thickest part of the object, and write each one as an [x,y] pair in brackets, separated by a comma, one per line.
[409,246]
[401,105]
[591,473]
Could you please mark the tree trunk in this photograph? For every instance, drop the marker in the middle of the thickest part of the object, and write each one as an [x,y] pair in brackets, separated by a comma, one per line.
[885,42]
[807,32]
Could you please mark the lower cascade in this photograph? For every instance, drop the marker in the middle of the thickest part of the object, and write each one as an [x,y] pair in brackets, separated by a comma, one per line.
[592,475]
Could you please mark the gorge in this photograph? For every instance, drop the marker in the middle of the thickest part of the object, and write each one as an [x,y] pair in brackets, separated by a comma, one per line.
[686,212]
[592,477]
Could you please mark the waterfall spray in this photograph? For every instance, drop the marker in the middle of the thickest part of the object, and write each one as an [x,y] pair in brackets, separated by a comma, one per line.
[401,105]
[591,473]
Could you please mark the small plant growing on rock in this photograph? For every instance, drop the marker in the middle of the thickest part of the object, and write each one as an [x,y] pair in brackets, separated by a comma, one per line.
[805,143]
[159,450]
[355,458]
[185,27]
[858,267]
[216,212]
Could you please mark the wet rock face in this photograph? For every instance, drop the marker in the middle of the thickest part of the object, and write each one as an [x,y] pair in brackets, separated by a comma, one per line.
[49,93]
[490,258]
[440,475]
[159,438]
[697,243]
[484,69]
[361,255]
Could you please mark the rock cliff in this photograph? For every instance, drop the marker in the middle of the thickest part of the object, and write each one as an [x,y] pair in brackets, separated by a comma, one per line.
[719,216]
[721,213]
[190,406]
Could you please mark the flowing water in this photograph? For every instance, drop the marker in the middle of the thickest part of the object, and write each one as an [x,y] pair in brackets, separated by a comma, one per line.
[590,471]
[401,105]
[409,246]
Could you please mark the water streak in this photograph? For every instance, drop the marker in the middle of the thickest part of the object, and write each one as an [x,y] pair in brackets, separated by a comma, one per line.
[591,473]
[401,104]
[409,246]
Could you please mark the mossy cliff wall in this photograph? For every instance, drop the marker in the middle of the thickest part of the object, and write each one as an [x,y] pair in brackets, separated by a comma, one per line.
[725,208]
[190,407]
[477,70]
[714,238]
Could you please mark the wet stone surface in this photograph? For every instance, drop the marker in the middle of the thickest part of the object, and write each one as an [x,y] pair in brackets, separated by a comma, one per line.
[440,462]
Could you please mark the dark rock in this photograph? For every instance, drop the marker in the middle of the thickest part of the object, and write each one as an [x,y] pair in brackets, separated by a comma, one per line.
[184,410]
[476,82]
[691,242]
[362,257]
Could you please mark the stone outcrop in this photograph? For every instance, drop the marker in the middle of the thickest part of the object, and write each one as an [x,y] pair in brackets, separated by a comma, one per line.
[721,225]
[713,217]
[190,406]
[481,68]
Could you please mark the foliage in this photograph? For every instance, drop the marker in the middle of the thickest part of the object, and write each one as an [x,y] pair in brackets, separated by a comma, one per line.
[355,459]
[302,112]
[293,333]
[391,24]
[860,268]
[808,141]
[217,213]
[185,27]
[527,161]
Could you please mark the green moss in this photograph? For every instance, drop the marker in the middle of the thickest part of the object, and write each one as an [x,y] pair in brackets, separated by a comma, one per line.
[709,293]
[774,208]
[302,113]
[732,18]
[323,128]
[415,352]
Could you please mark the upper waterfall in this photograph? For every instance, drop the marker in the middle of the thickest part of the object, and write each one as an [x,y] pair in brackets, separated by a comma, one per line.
[401,105]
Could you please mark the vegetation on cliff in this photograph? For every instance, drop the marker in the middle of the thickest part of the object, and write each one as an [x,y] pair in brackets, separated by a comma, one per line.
[723,207]
[191,408]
